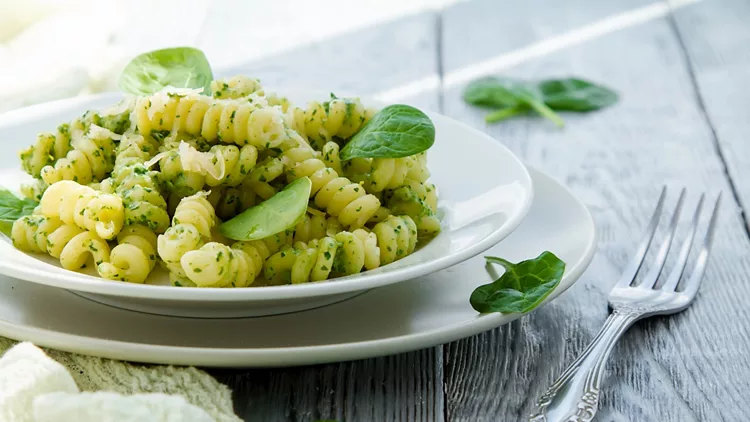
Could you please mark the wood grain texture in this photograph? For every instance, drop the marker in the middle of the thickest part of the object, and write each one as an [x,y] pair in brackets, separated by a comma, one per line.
[406,387]
[688,367]
[715,37]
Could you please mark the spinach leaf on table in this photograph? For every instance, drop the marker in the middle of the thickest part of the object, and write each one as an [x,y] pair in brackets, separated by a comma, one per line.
[522,287]
[576,95]
[511,97]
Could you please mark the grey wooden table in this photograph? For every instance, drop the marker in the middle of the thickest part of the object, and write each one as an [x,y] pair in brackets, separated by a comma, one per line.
[684,120]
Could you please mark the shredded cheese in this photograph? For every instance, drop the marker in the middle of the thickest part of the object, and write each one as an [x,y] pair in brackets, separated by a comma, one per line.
[121,107]
[98,132]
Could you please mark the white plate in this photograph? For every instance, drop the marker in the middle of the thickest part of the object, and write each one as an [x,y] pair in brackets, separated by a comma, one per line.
[431,310]
[485,192]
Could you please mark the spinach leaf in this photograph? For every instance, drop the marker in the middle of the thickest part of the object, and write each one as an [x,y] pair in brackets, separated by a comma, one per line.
[495,92]
[12,208]
[522,287]
[179,67]
[511,96]
[576,95]
[274,215]
[395,131]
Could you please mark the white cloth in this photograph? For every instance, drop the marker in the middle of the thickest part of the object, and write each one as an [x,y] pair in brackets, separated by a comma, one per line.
[36,387]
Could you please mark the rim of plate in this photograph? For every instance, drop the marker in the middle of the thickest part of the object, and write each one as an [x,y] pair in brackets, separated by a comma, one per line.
[362,281]
[317,354]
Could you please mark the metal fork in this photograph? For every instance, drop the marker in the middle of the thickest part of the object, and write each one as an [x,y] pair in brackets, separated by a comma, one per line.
[574,397]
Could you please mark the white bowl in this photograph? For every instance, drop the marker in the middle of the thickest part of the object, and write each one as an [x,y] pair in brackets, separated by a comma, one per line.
[484,193]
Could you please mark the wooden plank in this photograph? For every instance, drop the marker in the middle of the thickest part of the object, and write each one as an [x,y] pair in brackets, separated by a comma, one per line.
[406,387]
[364,62]
[688,367]
[715,36]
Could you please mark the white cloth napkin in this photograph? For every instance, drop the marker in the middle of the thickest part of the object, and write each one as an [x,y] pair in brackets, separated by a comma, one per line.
[34,387]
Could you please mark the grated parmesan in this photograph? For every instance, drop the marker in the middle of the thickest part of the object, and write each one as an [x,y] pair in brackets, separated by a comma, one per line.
[98,132]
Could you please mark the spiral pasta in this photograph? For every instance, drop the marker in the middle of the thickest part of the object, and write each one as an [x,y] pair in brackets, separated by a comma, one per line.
[34,189]
[230,201]
[134,256]
[236,87]
[98,212]
[89,159]
[378,174]
[238,265]
[316,226]
[218,265]
[186,170]
[406,200]
[193,260]
[50,147]
[152,178]
[305,262]
[229,121]
[137,186]
[397,237]
[191,228]
[321,122]
[345,253]
[339,196]
[72,245]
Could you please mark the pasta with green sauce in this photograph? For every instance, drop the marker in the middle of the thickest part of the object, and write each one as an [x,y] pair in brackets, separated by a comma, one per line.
[148,183]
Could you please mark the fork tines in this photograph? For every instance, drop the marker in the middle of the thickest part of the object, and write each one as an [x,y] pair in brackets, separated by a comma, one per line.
[673,280]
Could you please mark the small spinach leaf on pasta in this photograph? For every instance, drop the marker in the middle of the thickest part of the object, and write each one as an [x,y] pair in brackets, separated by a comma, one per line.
[394,132]
[12,208]
[276,214]
[522,287]
[179,67]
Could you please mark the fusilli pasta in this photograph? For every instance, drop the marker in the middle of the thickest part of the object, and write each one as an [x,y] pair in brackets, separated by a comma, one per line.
[338,196]
[89,159]
[98,212]
[321,122]
[42,234]
[153,178]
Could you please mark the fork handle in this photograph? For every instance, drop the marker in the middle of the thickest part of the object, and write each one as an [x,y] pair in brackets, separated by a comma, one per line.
[574,396]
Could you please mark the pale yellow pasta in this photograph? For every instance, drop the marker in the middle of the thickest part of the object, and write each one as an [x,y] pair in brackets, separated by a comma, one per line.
[407,201]
[229,121]
[357,250]
[379,174]
[191,228]
[331,156]
[72,245]
[221,165]
[236,87]
[134,256]
[321,122]
[265,172]
[52,146]
[76,252]
[344,253]
[397,238]
[316,226]
[338,196]
[153,178]
[229,201]
[99,212]
[89,159]
[218,265]
[302,263]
